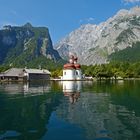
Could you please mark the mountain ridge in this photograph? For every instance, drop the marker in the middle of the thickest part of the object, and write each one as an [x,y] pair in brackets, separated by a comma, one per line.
[94,43]
[20,45]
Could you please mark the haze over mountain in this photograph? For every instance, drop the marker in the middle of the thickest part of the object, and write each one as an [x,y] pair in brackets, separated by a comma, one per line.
[95,43]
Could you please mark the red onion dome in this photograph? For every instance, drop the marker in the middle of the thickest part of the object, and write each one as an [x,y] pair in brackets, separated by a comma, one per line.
[69,66]
[76,58]
[71,57]
[77,66]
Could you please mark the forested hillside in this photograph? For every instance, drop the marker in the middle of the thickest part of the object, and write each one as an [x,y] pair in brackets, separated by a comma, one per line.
[27,46]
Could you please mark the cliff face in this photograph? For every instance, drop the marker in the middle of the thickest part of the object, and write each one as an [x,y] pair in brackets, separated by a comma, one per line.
[94,43]
[25,43]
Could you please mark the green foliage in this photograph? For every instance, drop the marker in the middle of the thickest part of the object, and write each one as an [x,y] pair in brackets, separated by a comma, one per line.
[38,62]
[9,38]
[3,68]
[57,73]
[113,69]
[124,35]
[24,47]
[130,54]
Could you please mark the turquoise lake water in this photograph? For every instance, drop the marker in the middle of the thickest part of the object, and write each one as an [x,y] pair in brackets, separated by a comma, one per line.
[70,110]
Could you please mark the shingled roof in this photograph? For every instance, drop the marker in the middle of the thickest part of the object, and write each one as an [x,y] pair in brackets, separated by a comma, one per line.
[37,71]
[19,72]
[14,72]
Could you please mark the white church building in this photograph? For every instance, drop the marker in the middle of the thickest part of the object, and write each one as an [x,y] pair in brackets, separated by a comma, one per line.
[72,70]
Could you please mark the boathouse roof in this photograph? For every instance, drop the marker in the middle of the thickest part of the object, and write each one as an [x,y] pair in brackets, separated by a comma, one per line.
[19,72]
[37,71]
[14,72]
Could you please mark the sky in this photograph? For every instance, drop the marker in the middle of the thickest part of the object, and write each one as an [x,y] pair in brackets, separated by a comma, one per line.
[60,16]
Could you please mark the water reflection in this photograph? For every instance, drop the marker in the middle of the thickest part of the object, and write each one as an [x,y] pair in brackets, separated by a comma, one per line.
[103,111]
[70,110]
[25,117]
[26,88]
[72,90]
[39,88]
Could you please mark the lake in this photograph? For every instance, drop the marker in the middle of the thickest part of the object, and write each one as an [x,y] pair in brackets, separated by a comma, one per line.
[70,110]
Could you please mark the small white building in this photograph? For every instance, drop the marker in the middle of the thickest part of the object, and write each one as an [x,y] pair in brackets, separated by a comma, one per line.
[72,70]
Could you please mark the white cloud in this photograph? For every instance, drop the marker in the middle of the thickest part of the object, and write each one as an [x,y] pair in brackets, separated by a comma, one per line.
[90,19]
[131,1]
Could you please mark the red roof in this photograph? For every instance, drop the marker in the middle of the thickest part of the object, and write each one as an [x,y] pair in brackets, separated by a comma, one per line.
[72,66]
[77,66]
[69,66]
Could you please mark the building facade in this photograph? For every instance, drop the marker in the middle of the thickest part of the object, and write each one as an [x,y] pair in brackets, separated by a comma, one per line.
[19,74]
[35,74]
[72,70]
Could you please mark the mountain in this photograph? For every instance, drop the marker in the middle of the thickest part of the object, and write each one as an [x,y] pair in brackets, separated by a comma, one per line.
[95,43]
[26,45]
[129,54]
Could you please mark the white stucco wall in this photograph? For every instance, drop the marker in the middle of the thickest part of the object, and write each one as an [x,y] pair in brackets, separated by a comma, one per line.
[69,74]
[72,74]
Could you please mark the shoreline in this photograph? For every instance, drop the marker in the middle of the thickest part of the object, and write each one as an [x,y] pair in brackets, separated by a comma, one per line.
[94,79]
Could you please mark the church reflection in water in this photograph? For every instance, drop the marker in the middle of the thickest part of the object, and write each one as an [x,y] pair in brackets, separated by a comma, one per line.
[72,89]
[75,109]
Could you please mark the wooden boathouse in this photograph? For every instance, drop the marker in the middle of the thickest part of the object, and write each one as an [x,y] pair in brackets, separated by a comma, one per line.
[20,74]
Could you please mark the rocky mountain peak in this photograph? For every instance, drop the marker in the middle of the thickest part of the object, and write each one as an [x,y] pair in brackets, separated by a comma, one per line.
[135,10]
[28,25]
[94,43]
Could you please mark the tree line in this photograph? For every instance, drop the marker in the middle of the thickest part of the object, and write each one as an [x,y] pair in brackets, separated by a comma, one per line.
[113,69]
[110,70]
